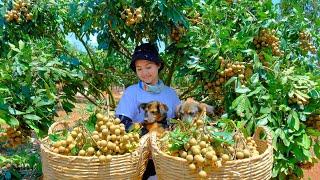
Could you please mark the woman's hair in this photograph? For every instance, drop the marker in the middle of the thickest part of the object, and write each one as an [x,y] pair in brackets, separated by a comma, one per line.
[146,51]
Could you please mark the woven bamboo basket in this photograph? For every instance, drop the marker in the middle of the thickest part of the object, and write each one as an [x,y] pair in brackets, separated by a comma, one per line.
[127,166]
[255,168]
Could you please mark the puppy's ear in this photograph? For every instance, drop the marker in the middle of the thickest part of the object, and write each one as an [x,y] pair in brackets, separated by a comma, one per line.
[143,106]
[209,109]
[202,107]
[163,107]
[178,109]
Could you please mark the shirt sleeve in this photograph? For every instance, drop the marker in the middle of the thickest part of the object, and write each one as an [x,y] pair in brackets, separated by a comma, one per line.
[126,106]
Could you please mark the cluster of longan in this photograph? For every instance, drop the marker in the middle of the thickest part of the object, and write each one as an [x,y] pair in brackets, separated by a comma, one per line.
[305,42]
[314,121]
[19,12]
[177,32]
[228,70]
[196,18]
[109,138]
[298,99]
[13,137]
[268,38]
[132,16]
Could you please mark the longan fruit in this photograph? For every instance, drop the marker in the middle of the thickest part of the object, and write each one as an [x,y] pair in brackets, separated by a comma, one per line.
[82,152]
[225,157]
[90,151]
[240,155]
[102,158]
[189,158]
[192,167]
[203,174]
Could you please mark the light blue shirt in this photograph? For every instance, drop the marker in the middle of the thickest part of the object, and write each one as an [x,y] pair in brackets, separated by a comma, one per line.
[133,96]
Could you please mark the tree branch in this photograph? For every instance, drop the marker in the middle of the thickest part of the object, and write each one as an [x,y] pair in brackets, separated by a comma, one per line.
[126,52]
[88,51]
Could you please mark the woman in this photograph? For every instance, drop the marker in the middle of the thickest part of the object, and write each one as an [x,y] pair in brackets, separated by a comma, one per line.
[147,64]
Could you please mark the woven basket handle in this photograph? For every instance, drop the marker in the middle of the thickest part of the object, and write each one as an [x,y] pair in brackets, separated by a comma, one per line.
[53,127]
[143,144]
[153,140]
[266,131]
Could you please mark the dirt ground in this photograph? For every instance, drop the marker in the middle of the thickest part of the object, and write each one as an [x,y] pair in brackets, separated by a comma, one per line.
[312,173]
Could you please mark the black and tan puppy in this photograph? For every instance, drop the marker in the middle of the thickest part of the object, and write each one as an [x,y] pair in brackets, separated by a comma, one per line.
[191,109]
[155,116]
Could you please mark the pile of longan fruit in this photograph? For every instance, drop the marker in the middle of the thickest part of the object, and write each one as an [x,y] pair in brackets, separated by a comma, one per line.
[228,70]
[196,18]
[305,42]
[109,138]
[19,12]
[132,16]
[177,32]
[314,121]
[201,152]
[267,38]
[13,137]
[295,99]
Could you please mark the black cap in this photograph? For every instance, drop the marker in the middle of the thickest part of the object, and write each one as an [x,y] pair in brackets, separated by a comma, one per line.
[146,51]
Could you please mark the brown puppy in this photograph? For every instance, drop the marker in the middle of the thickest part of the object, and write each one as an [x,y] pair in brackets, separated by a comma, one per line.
[155,116]
[191,109]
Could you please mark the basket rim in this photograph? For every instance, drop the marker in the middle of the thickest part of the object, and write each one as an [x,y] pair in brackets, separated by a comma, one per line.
[268,150]
[135,152]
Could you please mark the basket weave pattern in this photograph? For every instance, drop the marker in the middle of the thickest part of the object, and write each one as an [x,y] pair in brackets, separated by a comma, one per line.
[255,168]
[127,166]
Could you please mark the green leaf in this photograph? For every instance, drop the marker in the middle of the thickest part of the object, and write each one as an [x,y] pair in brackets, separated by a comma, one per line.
[304,141]
[230,81]
[44,103]
[265,110]
[237,101]
[284,138]
[314,94]
[21,44]
[32,117]
[14,111]
[256,91]
[316,149]
[33,126]
[54,137]
[86,26]
[298,153]
[312,132]
[225,137]
[90,124]
[242,90]
[12,121]
[2,121]
[263,120]
[75,150]
[13,47]
[293,120]
[254,78]
[67,106]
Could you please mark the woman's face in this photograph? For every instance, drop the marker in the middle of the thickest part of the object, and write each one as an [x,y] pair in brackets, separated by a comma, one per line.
[147,71]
